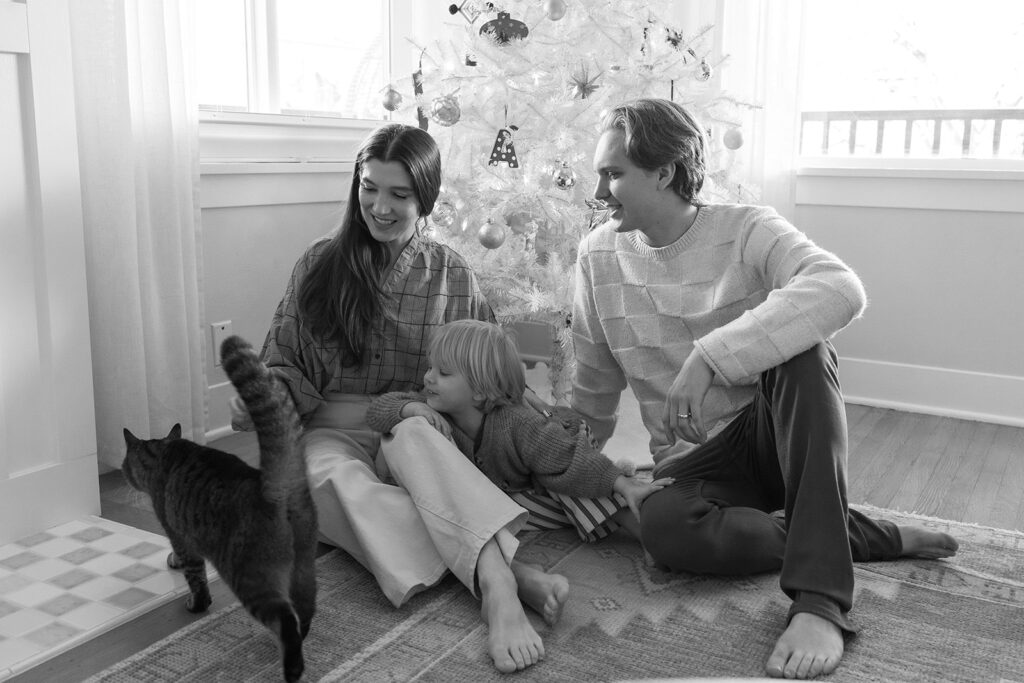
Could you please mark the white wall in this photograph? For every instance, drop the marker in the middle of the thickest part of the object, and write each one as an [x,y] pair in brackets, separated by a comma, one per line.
[940,255]
[269,187]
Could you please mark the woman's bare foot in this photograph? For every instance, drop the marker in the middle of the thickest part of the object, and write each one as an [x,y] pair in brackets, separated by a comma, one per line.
[810,646]
[512,642]
[546,594]
[929,545]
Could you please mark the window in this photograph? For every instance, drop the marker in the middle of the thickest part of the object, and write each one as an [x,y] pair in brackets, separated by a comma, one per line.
[310,57]
[915,78]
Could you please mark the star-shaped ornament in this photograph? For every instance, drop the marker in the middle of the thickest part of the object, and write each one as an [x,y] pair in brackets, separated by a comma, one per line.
[582,84]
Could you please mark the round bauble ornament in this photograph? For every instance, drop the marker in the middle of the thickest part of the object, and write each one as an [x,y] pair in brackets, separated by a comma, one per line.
[491,234]
[733,138]
[445,110]
[554,9]
[564,176]
[444,214]
[505,28]
[392,99]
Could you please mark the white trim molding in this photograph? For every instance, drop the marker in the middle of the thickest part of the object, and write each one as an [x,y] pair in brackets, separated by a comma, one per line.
[934,391]
[988,190]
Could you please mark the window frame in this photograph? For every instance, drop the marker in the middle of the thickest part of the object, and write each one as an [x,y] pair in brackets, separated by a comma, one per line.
[242,142]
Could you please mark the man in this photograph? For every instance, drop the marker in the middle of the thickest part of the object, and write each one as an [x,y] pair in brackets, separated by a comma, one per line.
[718,317]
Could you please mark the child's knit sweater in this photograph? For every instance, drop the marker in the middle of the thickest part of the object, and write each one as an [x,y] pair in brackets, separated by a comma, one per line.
[519,449]
[742,285]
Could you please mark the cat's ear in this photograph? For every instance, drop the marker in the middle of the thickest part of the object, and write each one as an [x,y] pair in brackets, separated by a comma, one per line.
[175,431]
[130,438]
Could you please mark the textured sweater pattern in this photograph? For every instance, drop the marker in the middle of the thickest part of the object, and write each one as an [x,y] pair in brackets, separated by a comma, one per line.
[519,449]
[742,285]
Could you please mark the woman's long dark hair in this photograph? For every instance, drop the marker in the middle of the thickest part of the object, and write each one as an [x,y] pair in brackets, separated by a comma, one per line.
[343,293]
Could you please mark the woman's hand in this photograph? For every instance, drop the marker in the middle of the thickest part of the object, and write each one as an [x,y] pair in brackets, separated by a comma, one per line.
[635,491]
[436,419]
[240,419]
[685,403]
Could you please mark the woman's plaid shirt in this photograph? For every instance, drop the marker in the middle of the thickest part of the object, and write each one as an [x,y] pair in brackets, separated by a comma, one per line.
[429,285]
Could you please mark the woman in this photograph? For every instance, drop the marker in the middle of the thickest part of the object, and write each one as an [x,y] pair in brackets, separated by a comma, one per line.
[355,322]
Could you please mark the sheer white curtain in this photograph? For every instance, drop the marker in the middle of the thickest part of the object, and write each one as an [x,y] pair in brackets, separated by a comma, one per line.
[139,160]
[761,39]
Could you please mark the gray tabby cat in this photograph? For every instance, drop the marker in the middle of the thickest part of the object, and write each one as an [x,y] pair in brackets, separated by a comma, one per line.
[256,526]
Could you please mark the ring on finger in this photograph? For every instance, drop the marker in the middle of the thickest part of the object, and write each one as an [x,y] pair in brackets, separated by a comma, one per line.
[683,416]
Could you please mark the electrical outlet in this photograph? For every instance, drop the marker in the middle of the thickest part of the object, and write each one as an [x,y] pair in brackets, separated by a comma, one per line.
[221,331]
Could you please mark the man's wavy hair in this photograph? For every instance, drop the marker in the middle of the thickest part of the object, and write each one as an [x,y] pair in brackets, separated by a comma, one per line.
[660,132]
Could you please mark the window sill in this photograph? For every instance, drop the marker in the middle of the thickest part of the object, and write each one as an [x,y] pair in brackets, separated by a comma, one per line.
[237,142]
[948,169]
[991,188]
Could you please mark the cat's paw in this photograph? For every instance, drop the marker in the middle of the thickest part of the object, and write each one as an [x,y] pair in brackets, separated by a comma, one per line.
[198,603]
[173,562]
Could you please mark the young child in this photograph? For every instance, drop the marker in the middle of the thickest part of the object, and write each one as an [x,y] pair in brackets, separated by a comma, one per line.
[473,394]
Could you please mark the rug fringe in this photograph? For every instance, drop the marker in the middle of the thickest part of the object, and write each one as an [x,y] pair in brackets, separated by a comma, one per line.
[870,509]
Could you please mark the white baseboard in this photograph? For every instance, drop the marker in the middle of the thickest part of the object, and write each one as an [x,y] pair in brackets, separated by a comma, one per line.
[965,395]
[219,433]
[71,490]
[934,391]
[218,420]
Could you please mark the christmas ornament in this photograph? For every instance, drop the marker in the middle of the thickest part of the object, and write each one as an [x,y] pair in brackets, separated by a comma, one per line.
[704,71]
[417,89]
[504,29]
[598,213]
[392,99]
[444,214]
[554,9]
[470,13]
[491,235]
[582,84]
[733,138]
[504,151]
[446,110]
[564,177]
[519,221]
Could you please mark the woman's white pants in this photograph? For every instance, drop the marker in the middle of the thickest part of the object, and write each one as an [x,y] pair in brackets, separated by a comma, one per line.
[435,517]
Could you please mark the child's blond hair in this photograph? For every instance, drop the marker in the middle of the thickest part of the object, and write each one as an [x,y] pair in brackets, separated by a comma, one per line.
[486,355]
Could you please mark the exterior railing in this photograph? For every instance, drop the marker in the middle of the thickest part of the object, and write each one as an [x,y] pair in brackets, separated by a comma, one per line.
[966,126]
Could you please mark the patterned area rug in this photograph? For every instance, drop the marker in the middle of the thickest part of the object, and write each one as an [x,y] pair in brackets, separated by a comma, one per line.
[951,620]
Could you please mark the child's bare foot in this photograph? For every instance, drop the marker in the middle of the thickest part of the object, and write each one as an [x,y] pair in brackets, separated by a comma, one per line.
[929,545]
[546,594]
[511,640]
[810,646]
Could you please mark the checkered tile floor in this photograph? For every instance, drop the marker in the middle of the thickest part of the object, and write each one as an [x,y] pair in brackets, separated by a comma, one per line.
[63,586]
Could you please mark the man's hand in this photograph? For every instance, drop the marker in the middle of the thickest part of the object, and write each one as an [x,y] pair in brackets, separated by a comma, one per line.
[635,490]
[436,419]
[685,403]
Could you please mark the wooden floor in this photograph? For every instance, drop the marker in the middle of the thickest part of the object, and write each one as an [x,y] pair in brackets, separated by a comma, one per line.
[942,467]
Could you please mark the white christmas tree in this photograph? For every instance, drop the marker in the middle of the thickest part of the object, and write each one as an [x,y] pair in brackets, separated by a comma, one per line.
[514,98]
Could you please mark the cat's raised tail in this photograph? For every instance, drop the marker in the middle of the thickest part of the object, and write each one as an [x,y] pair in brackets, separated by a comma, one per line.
[273,414]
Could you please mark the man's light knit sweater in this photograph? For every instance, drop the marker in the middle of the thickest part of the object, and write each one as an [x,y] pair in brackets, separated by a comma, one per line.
[742,285]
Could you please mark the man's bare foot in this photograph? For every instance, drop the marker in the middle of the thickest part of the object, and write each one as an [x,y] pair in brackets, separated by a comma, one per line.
[511,640]
[546,594]
[810,646]
[928,545]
